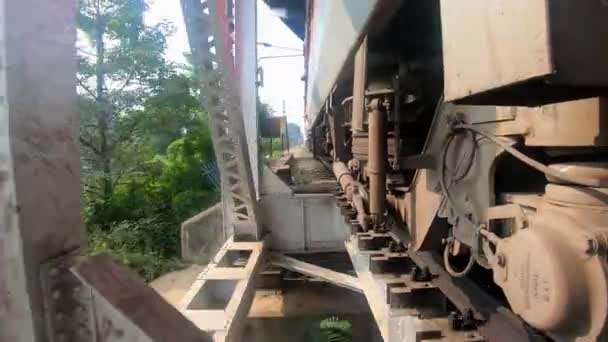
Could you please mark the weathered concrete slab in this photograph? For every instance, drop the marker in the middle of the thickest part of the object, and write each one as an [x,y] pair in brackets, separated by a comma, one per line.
[203,235]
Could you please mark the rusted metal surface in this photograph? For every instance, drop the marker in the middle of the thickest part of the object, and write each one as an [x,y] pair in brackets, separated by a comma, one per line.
[68,304]
[126,309]
[377,165]
[351,197]
[359,205]
[345,179]
[336,278]
[361,144]
[494,322]
[540,40]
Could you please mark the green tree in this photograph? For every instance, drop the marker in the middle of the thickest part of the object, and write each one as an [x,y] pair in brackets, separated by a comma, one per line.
[120,64]
[144,138]
[166,185]
[174,143]
[264,110]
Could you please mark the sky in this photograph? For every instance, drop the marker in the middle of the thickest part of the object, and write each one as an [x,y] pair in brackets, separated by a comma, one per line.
[282,76]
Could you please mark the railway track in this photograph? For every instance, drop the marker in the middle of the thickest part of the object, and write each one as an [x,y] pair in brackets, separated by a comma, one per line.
[478,315]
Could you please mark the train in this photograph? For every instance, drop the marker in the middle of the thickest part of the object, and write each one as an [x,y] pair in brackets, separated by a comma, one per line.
[475,130]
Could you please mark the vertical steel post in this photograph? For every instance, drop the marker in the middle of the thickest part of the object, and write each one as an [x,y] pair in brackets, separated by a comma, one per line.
[15,313]
[39,157]
[246,62]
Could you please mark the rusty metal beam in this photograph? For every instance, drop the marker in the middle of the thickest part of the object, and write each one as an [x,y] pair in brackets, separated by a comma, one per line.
[126,309]
[376,165]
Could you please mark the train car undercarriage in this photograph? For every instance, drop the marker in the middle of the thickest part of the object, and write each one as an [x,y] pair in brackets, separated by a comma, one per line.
[471,132]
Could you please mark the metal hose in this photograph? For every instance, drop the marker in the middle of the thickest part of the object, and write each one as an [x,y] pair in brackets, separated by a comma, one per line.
[448,266]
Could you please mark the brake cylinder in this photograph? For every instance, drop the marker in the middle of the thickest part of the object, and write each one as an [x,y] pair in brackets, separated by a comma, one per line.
[376,167]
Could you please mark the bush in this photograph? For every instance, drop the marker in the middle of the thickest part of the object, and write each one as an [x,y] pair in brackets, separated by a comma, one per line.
[330,329]
[148,246]
[336,330]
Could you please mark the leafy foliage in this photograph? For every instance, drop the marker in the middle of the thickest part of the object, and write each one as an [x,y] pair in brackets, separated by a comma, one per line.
[336,330]
[330,329]
[264,110]
[121,65]
[272,149]
[140,244]
[144,138]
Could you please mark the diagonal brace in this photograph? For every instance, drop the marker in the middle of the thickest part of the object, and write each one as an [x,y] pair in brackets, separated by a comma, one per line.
[337,278]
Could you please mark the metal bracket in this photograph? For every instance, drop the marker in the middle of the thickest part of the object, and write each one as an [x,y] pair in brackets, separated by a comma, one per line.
[68,306]
[508,211]
[96,299]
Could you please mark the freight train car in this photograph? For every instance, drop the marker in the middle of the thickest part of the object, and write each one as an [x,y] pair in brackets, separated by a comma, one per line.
[474,131]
